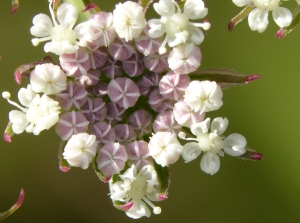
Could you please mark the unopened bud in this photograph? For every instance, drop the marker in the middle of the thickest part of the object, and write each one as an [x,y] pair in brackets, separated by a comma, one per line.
[251,155]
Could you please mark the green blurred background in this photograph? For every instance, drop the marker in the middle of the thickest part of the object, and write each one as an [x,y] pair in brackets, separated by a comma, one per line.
[266,112]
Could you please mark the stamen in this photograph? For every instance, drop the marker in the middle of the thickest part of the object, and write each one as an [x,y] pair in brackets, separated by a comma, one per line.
[177,6]
[205,25]
[6,95]
[156,210]
[36,41]
[162,48]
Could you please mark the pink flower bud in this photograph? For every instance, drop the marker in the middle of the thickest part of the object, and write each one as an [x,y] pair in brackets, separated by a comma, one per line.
[165,122]
[111,158]
[134,66]
[90,78]
[104,133]
[123,91]
[185,58]
[75,64]
[147,45]
[74,94]
[148,82]
[112,68]
[158,103]
[140,121]
[71,123]
[98,55]
[124,133]
[185,116]
[121,50]
[173,85]
[138,154]
[94,109]
[157,62]
[114,112]
[99,90]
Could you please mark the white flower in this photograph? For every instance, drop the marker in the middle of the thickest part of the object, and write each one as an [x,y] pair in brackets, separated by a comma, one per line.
[203,96]
[60,30]
[164,148]
[48,79]
[258,17]
[40,113]
[176,24]
[138,188]
[129,20]
[209,139]
[80,150]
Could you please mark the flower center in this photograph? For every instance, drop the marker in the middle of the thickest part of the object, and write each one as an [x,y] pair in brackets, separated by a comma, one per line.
[176,23]
[138,188]
[210,142]
[270,5]
[60,33]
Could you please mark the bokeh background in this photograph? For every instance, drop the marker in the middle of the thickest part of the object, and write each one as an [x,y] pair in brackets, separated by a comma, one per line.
[266,112]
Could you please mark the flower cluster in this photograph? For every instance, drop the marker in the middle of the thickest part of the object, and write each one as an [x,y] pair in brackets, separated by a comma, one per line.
[124,96]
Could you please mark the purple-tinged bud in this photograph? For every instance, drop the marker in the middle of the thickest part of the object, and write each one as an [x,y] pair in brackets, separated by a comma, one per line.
[121,50]
[252,78]
[74,94]
[75,64]
[251,155]
[98,55]
[104,133]
[239,17]
[111,159]
[185,116]
[124,133]
[134,66]
[165,122]
[185,58]
[158,103]
[114,112]
[140,121]
[123,91]
[148,82]
[112,68]
[157,62]
[138,154]
[99,90]
[279,33]
[147,45]
[124,207]
[94,109]
[101,25]
[8,132]
[172,86]
[15,6]
[90,6]
[90,78]
[231,25]
[71,123]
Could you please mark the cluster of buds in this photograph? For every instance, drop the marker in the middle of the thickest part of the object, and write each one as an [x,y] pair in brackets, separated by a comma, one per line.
[125,96]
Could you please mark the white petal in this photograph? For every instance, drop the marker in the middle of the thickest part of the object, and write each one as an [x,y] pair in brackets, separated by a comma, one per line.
[196,35]
[190,151]
[210,163]
[138,210]
[67,15]
[282,16]
[164,8]
[219,125]
[157,29]
[195,9]
[241,3]
[200,128]
[235,144]
[258,20]
[42,26]
[19,121]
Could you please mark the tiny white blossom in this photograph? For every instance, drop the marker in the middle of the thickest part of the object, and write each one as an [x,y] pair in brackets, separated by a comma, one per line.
[209,139]
[40,113]
[258,17]
[129,20]
[137,187]
[176,23]
[80,150]
[203,96]
[48,78]
[60,30]
[164,148]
